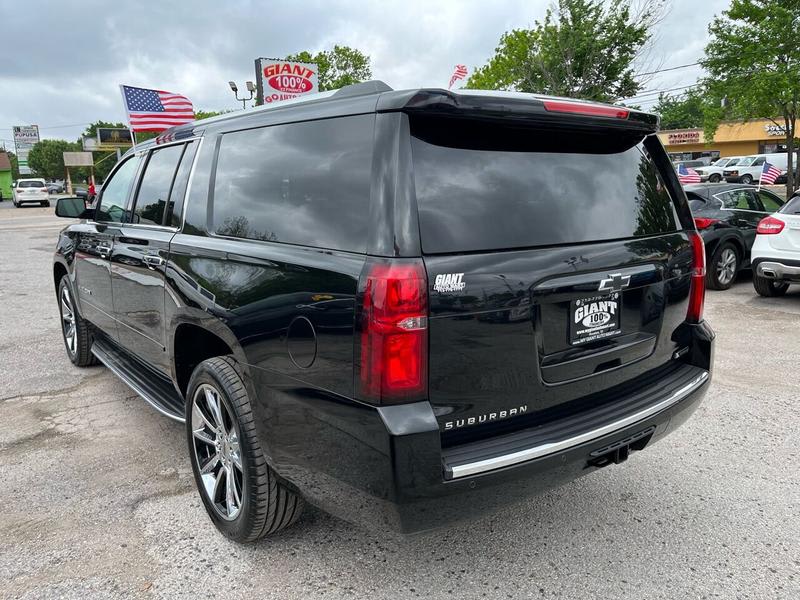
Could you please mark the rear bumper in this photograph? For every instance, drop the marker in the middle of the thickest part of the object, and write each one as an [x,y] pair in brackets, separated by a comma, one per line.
[385,467]
[778,268]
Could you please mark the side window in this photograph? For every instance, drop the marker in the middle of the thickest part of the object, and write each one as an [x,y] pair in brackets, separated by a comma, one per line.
[115,193]
[176,198]
[739,200]
[300,183]
[155,186]
[770,203]
[758,162]
[696,202]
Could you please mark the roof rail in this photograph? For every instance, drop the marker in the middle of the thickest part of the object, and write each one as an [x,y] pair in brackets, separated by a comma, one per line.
[362,89]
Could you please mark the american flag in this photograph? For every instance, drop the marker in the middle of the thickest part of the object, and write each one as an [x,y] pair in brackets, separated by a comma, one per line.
[155,110]
[459,73]
[687,175]
[769,174]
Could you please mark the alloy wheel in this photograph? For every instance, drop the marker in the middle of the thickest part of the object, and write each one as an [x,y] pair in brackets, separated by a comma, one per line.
[217,451]
[726,266]
[68,321]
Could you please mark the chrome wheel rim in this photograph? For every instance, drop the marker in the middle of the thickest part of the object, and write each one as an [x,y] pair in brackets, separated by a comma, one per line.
[726,266]
[217,452]
[68,321]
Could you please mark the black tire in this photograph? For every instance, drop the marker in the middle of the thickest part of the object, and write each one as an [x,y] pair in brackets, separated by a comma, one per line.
[769,288]
[720,271]
[79,345]
[747,179]
[266,505]
[715,178]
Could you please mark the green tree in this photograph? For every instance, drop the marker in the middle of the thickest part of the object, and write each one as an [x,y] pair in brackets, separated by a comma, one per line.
[753,65]
[338,67]
[14,165]
[582,49]
[681,112]
[46,158]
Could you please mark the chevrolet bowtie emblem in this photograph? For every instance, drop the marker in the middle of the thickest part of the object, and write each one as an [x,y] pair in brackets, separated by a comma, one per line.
[615,282]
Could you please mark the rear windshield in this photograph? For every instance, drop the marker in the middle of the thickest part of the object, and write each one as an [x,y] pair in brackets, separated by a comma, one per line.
[792,207]
[517,188]
[31,184]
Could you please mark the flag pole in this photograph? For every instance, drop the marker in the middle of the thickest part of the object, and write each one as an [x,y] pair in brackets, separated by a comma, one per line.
[127,114]
[758,189]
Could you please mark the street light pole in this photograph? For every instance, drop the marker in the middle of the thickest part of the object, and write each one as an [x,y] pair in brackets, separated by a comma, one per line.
[250,88]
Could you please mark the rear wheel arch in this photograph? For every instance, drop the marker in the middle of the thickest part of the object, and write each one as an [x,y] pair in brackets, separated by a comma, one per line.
[193,343]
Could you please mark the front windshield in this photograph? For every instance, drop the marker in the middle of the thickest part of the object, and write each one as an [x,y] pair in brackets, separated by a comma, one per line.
[747,161]
[734,161]
[720,162]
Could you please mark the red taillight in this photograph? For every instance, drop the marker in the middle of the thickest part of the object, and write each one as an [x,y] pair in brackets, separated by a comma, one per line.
[770,226]
[581,108]
[704,223]
[697,289]
[394,333]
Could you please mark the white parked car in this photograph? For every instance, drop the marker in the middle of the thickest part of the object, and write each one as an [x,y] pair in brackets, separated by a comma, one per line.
[29,191]
[776,252]
[748,170]
[713,172]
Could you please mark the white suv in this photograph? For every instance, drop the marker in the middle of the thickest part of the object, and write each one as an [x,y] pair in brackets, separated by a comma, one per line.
[776,251]
[30,191]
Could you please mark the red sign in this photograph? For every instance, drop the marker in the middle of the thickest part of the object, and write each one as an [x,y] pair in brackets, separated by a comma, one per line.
[283,80]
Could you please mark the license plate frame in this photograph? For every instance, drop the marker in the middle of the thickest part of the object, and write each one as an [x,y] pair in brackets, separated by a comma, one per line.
[595,318]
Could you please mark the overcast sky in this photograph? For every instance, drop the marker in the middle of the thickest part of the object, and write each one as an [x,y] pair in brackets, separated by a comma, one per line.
[63,61]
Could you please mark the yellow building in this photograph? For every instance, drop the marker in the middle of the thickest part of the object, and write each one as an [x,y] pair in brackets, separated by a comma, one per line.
[734,138]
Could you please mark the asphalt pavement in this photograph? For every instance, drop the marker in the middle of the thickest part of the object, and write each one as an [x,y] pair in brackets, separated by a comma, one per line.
[98,499]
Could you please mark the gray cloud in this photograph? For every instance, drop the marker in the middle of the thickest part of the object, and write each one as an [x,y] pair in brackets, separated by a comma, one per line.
[64,61]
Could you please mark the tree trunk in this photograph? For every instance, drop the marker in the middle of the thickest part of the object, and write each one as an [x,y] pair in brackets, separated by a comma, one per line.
[790,166]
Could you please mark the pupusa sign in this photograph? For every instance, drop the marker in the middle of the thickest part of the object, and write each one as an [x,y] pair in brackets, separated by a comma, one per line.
[278,80]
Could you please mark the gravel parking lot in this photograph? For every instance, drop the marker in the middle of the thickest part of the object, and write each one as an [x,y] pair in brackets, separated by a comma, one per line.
[98,499]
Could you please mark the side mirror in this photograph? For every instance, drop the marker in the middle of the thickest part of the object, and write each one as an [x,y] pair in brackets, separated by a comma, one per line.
[72,208]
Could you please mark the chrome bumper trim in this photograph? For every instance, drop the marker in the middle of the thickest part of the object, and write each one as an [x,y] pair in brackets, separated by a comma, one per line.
[776,270]
[514,458]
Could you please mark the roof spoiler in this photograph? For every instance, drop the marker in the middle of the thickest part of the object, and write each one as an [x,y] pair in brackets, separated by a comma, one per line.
[522,107]
[362,89]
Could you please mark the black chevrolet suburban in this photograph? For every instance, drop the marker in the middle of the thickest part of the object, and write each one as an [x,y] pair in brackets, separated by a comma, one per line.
[404,307]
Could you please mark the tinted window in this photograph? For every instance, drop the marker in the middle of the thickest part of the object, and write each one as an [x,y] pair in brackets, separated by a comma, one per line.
[115,192]
[302,183]
[153,195]
[792,207]
[739,200]
[176,198]
[747,161]
[758,162]
[482,187]
[696,202]
[770,203]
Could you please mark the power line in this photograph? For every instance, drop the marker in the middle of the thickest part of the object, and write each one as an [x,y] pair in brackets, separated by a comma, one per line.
[50,126]
[694,64]
[657,92]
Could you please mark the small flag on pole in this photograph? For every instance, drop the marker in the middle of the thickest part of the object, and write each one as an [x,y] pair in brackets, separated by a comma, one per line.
[687,175]
[155,110]
[458,74]
[769,174]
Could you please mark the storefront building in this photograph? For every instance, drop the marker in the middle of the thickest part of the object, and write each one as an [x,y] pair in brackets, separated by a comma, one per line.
[733,138]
